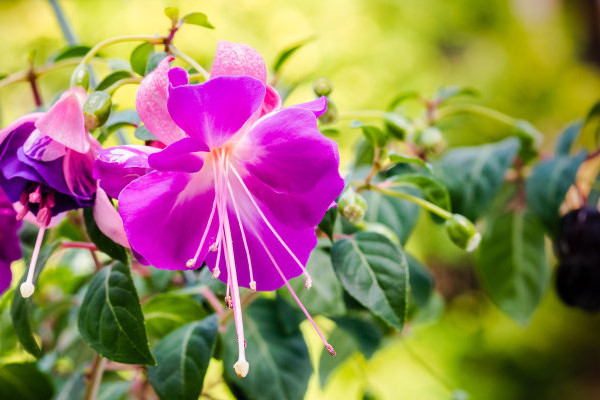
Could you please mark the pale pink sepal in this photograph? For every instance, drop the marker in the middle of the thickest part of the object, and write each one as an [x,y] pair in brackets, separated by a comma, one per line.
[64,123]
[77,169]
[238,59]
[108,219]
[151,104]
[18,122]
[40,147]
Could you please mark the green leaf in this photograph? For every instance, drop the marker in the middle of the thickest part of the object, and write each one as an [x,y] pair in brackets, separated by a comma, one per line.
[512,263]
[111,320]
[182,360]
[401,98]
[113,78]
[166,312]
[421,281]
[139,57]
[474,175]
[327,224]
[374,136]
[120,119]
[197,18]
[280,365]
[432,188]
[374,271]
[142,133]
[547,187]
[172,13]
[396,125]
[286,53]
[530,140]
[325,296]
[447,92]
[21,308]
[344,349]
[401,158]
[103,242]
[24,382]
[154,60]
[70,52]
[567,138]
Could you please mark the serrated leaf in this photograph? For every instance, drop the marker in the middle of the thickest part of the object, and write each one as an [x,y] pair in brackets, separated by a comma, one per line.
[172,13]
[280,365]
[432,189]
[24,382]
[142,133]
[70,52]
[374,271]
[182,360]
[103,242]
[166,312]
[139,57]
[113,78]
[154,60]
[197,18]
[401,158]
[474,174]
[111,320]
[21,308]
[567,138]
[286,53]
[512,263]
[547,187]
[373,135]
[421,281]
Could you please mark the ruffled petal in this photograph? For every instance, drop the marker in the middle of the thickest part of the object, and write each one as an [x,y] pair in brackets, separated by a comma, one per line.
[183,155]
[317,106]
[40,147]
[165,215]
[238,59]
[64,123]
[108,219]
[151,104]
[116,167]
[214,111]
[291,166]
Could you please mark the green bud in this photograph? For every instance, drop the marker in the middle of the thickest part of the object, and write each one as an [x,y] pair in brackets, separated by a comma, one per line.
[331,115]
[81,77]
[322,87]
[462,232]
[352,206]
[430,138]
[96,109]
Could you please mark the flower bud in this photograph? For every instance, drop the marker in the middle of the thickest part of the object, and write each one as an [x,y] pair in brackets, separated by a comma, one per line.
[462,232]
[96,109]
[80,77]
[352,206]
[430,138]
[322,87]
[331,115]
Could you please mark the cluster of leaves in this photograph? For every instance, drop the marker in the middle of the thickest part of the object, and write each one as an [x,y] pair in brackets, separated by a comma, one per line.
[168,328]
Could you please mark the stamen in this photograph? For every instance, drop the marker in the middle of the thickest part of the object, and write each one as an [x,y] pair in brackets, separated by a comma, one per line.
[191,263]
[228,302]
[281,241]
[22,212]
[27,287]
[36,195]
[287,284]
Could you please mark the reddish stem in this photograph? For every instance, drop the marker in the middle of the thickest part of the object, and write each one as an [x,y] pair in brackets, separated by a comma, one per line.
[34,89]
[79,245]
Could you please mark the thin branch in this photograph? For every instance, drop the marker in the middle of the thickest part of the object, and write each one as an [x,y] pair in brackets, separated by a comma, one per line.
[94,377]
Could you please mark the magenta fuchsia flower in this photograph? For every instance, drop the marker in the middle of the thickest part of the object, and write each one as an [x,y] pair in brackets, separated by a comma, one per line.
[10,250]
[46,165]
[241,185]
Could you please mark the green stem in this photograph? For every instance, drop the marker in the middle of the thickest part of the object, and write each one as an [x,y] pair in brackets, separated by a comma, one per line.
[122,82]
[417,200]
[476,109]
[361,114]
[190,61]
[65,27]
[120,39]
[22,76]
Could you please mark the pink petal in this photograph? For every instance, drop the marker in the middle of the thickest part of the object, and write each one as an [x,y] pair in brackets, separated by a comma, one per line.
[238,59]
[108,219]
[272,101]
[317,106]
[77,168]
[151,104]
[40,147]
[18,122]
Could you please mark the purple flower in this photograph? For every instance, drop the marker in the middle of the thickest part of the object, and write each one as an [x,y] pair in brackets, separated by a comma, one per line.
[10,250]
[46,165]
[239,191]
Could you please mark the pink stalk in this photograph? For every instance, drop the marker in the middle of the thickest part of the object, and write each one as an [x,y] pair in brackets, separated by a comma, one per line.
[27,287]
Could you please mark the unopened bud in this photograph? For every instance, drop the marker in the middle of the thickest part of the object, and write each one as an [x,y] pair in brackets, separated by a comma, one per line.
[96,109]
[462,232]
[331,115]
[352,206]
[322,87]
[430,138]
[81,77]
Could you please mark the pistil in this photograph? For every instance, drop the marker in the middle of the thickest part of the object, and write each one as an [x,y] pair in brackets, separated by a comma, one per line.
[27,287]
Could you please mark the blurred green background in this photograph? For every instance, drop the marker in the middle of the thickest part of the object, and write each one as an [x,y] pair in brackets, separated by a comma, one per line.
[533,59]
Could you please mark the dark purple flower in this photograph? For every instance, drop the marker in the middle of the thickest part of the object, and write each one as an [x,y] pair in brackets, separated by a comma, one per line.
[239,191]
[10,250]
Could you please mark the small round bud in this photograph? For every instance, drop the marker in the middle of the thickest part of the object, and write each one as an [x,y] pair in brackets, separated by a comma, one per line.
[331,115]
[322,87]
[27,289]
[96,109]
[431,139]
[81,77]
[352,206]
[462,232]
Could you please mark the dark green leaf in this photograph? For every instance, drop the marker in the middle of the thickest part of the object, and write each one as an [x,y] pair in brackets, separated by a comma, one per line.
[396,125]
[421,281]
[401,158]
[154,60]
[280,365]
[374,271]
[286,53]
[166,312]
[24,382]
[21,308]
[432,189]
[70,52]
[530,140]
[567,138]
[328,222]
[547,187]
[374,136]
[112,78]
[119,119]
[512,263]
[448,92]
[197,18]
[111,319]
[142,133]
[182,360]
[103,242]
[474,175]
[139,57]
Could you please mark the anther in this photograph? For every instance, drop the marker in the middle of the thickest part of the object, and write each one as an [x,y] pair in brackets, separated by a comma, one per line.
[241,368]
[308,282]
[191,263]
[253,286]
[216,272]
[36,195]
[330,349]
[22,212]
[214,246]
[44,216]
[228,302]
